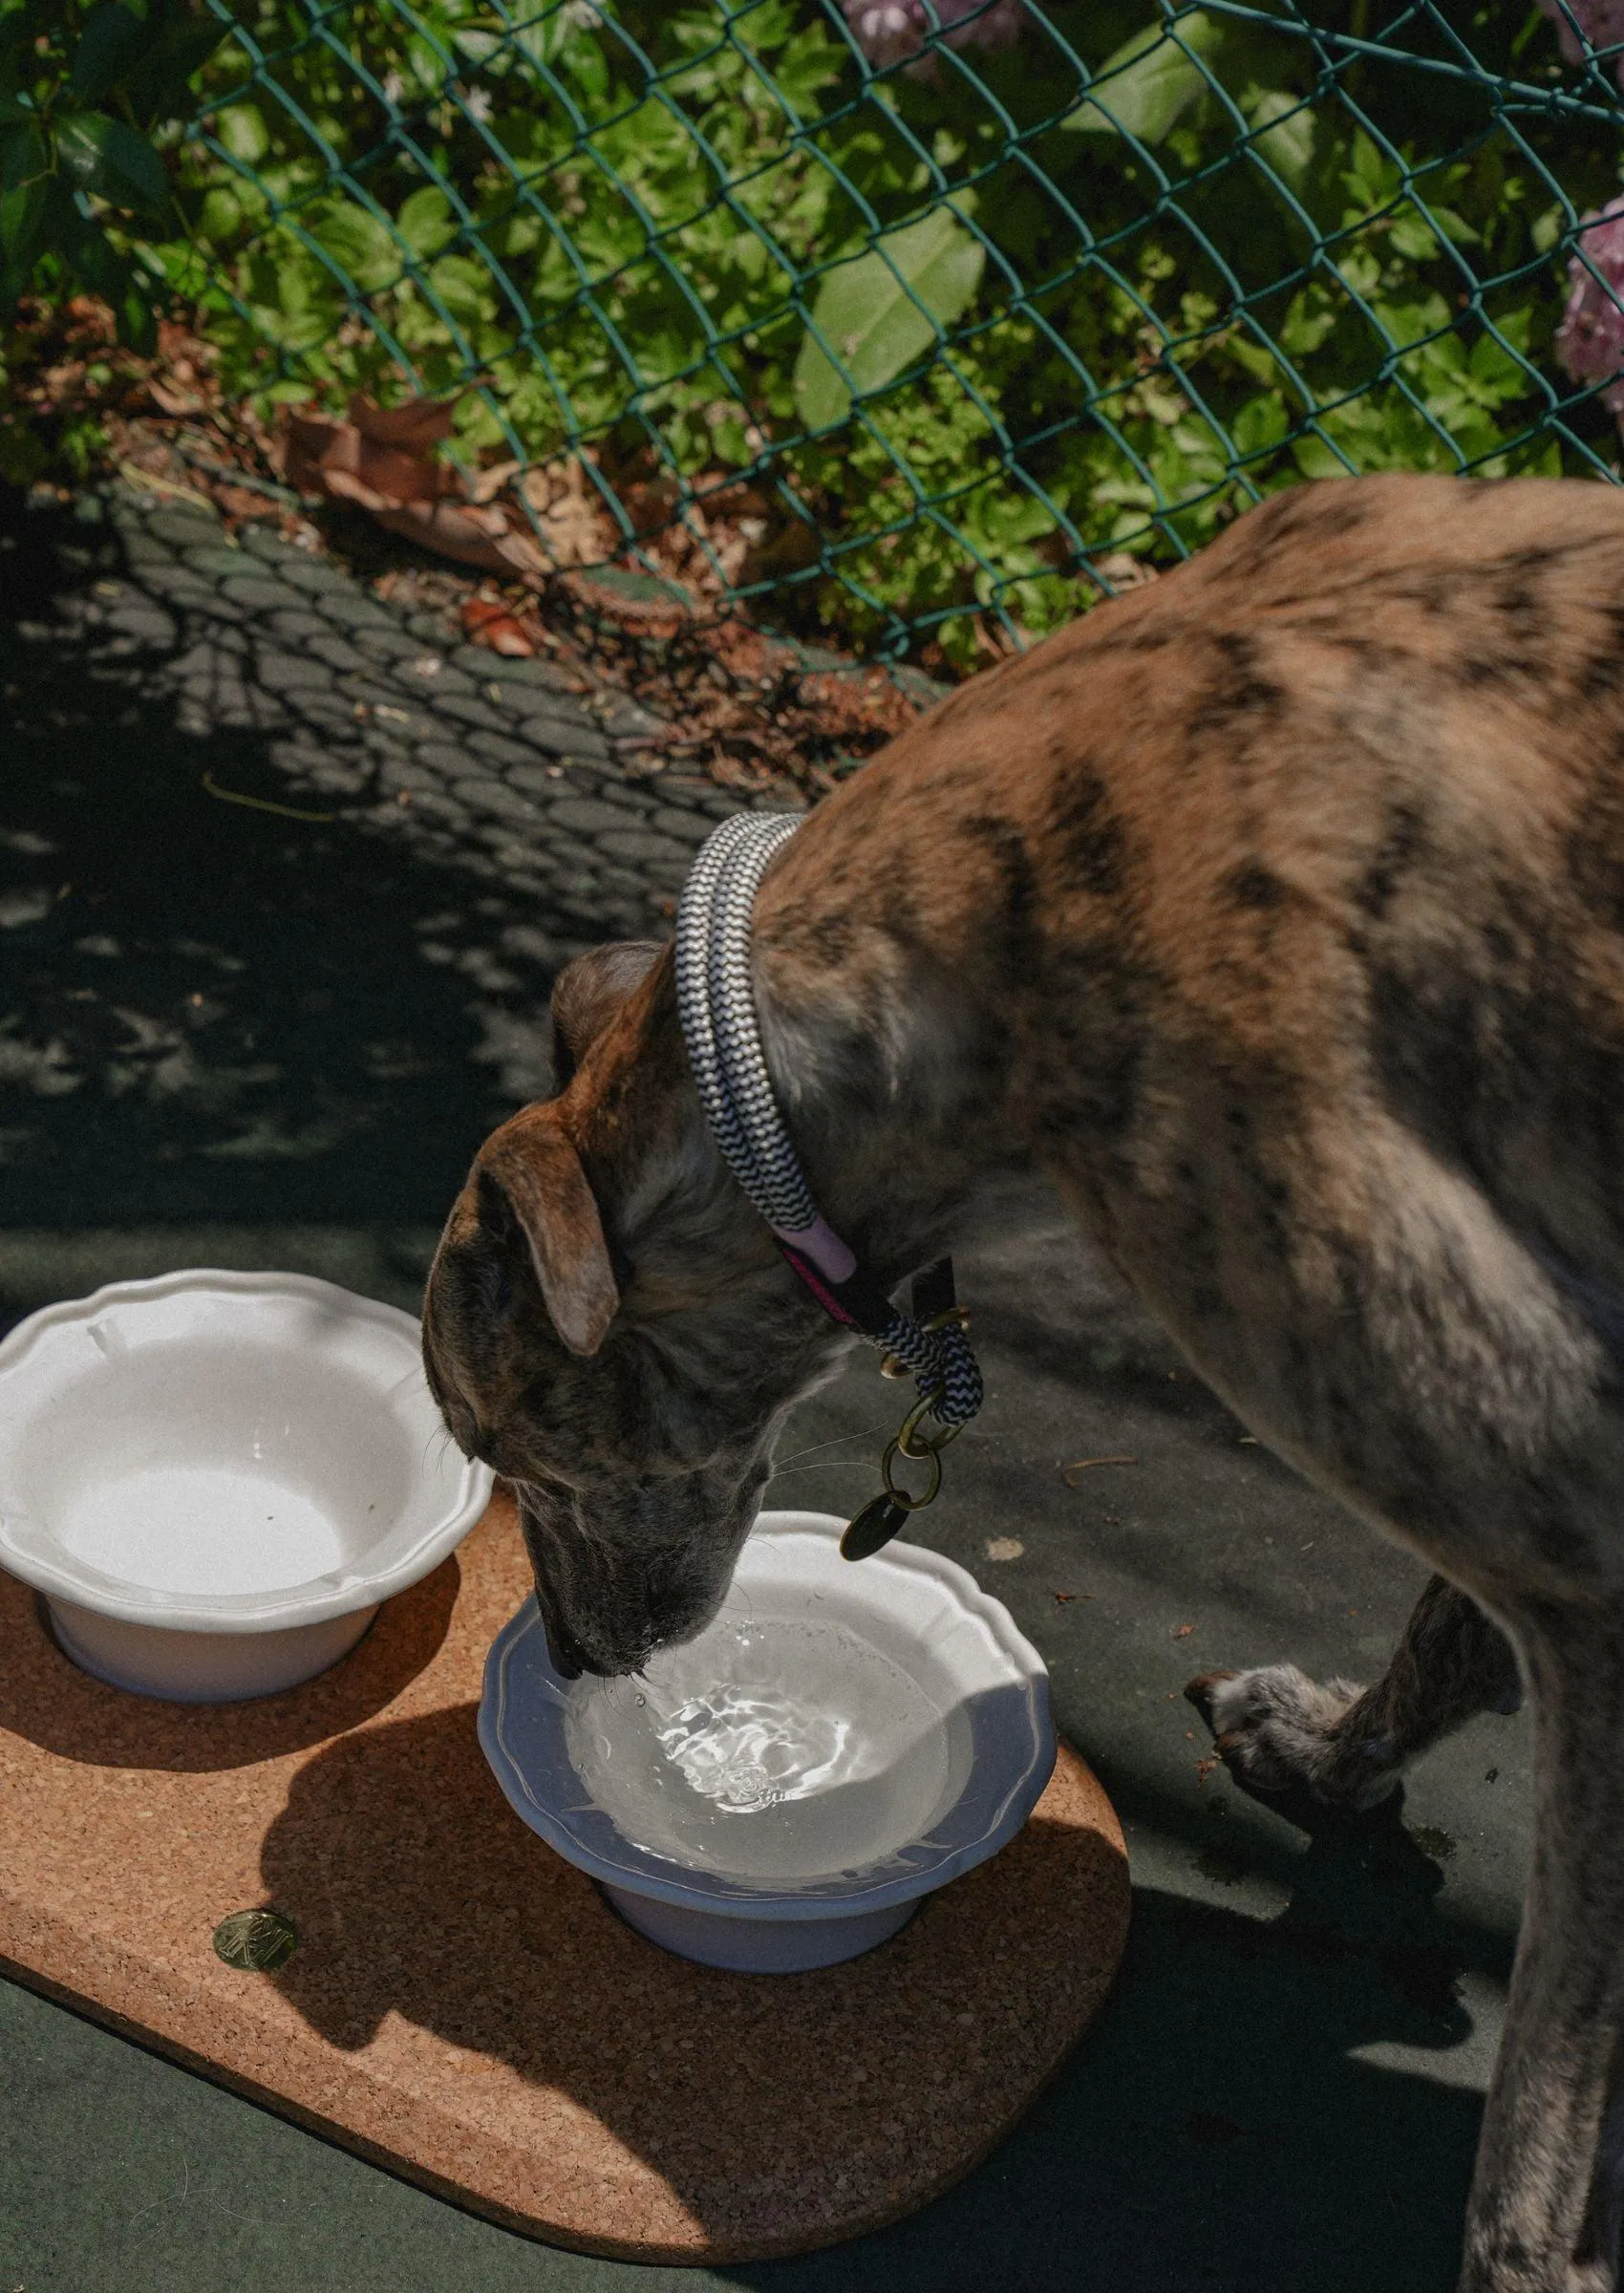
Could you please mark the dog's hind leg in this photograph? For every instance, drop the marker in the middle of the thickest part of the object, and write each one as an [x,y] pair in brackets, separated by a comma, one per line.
[1536,2224]
[1279,1731]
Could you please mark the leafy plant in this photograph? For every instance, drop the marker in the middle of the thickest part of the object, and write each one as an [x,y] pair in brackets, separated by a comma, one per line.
[82,90]
[957,333]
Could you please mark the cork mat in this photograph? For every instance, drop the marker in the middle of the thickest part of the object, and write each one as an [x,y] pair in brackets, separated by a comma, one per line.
[463,2007]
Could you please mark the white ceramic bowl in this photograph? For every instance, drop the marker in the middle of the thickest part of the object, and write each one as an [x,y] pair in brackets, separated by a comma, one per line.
[918,1741]
[215,1479]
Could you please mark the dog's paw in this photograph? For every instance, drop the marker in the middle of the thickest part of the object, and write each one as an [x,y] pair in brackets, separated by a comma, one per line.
[1276,1732]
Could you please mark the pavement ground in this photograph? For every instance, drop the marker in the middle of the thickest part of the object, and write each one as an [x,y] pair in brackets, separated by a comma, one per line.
[272,1032]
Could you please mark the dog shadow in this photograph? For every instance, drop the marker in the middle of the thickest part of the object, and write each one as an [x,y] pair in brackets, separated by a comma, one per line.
[1226,2059]
[1235,2122]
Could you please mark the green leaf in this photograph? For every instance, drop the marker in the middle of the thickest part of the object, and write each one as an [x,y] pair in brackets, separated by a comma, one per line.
[1310,317]
[23,157]
[1144,87]
[1285,136]
[137,322]
[105,157]
[110,43]
[361,244]
[156,83]
[220,218]
[22,212]
[1497,372]
[1372,179]
[480,46]
[426,221]
[242,131]
[1548,226]
[1261,422]
[867,313]
[1414,238]
[465,287]
[541,39]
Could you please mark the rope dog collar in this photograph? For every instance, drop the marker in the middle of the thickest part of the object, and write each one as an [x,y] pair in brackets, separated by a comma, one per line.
[716,1004]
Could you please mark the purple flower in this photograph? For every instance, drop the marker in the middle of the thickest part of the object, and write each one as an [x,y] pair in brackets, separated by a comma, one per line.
[1590,342]
[889,31]
[1601,21]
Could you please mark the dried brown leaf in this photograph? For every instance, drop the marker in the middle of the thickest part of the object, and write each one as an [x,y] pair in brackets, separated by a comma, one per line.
[413,427]
[484,485]
[487,621]
[474,537]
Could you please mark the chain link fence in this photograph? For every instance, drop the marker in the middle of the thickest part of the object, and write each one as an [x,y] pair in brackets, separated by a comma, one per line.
[923,321]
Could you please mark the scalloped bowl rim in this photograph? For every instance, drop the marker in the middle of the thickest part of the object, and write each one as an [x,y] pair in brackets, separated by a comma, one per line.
[289,1606]
[635,1870]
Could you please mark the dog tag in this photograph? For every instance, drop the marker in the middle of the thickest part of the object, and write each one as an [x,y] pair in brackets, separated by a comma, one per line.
[874,1525]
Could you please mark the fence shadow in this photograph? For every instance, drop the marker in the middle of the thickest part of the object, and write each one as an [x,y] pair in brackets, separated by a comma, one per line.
[212,1011]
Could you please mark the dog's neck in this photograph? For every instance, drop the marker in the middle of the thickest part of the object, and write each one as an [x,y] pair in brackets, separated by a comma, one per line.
[889,1095]
[892,1106]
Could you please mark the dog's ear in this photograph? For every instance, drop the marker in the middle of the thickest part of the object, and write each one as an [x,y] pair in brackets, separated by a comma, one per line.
[586,995]
[543,1185]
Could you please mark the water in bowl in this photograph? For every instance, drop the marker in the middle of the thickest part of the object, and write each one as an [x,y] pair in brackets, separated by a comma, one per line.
[779,1749]
[183,1528]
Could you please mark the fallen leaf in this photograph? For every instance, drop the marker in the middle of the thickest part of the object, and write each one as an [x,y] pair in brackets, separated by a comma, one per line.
[1004,1548]
[175,402]
[149,482]
[381,459]
[414,426]
[1182,1632]
[488,621]
[259,804]
[573,522]
[474,537]
[1063,1598]
[1084,1465]
[484,485]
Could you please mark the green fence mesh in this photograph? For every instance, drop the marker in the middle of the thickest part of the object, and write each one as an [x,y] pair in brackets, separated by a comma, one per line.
[926,323]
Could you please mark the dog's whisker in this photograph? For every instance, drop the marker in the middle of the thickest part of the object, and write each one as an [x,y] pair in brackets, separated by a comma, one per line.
[866,1435]
[784,1471]
[432,1454]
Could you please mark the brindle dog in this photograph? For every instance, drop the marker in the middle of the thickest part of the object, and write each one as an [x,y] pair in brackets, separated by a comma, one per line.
[1275,910]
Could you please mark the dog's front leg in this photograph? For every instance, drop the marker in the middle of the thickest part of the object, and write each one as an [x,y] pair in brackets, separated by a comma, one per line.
[1278,1731]
[1543,2139]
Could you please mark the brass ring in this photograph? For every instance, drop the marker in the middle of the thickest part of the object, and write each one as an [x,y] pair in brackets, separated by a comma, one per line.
[902,1496]
[929,1443]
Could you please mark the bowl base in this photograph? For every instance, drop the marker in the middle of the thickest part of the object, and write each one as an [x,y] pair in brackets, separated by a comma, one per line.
[759,1946]
[201,1667]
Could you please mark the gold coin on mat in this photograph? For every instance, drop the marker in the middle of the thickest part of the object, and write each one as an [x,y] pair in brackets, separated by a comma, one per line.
[256,1943]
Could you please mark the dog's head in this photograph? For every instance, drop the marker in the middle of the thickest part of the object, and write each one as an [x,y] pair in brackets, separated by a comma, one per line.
[608,1325]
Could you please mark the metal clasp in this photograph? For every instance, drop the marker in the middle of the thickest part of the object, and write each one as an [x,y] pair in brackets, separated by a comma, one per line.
[885,1514]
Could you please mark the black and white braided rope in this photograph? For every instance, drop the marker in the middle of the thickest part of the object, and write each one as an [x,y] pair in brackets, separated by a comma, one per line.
[716,1001]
